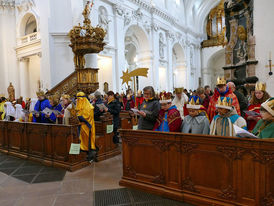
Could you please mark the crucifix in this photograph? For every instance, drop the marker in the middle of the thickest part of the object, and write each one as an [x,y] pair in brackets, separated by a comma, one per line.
[270,65]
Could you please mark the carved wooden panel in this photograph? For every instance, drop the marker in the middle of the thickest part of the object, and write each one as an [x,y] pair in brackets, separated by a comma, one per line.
[2,133]
[37,134]
[199,169]
[16,130]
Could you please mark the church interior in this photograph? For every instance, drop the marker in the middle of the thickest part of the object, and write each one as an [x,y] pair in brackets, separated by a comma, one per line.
[136,102]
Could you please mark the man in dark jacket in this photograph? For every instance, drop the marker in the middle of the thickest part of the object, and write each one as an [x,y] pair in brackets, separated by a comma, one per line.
[242,100]
[113,107]
[149,110]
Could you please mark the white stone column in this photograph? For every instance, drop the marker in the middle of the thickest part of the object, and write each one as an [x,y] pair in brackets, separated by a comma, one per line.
[169,65]
[145,61]
[154,70]
[91,61]
[188,67]
[23,77]
[119,40]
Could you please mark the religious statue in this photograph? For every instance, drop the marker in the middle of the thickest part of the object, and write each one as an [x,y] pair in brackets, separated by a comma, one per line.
[105,87]
[241,50]
[161,46]
[86,11]
[103,20]
[11,92]
[229,3]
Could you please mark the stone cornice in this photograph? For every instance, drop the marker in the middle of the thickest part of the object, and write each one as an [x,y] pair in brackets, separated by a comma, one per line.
[151,9]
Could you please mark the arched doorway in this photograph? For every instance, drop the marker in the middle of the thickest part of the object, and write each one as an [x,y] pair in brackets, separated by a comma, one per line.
[138,54]
[179,67]
[215,67]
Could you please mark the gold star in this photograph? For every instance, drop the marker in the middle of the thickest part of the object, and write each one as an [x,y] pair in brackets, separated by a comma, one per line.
[126,77]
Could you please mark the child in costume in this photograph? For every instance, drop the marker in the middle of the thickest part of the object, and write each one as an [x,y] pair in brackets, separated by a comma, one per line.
[222,123]
[265,127]
[258,97]
[169,118]
[196,122]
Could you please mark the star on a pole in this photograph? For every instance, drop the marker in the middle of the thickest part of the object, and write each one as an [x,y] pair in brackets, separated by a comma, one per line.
[126,77]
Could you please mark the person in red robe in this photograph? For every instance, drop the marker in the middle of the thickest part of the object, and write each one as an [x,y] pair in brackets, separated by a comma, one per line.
[139,99]
[258,97]
[169,118]
[128,103]
[221,90]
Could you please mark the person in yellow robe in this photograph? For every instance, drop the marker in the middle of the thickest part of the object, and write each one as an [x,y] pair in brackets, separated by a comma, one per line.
[2,109]
[85,114]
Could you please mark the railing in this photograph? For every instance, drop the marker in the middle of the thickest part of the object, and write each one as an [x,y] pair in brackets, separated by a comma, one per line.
[28,38]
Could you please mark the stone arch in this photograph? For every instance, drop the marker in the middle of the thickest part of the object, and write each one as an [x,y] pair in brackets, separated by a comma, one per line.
[137,51]
[214,66]
[27,23]
[179,66]
[140,37]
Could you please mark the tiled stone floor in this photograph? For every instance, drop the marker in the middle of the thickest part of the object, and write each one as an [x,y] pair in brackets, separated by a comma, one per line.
[32,184]
[76,188]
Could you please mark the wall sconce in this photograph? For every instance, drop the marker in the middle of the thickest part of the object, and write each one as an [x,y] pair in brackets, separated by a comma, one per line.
[270,65]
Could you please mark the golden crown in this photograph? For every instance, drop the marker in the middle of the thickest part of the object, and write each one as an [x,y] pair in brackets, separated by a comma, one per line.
[225,101]
[165,97]
[40,93]
[179,90]
[260,86]
[221,80]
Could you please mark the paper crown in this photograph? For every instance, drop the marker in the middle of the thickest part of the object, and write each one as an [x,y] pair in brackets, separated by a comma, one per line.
[179,90]
[65,96]
[221,81]
[225,103]
[260,86]
[40,93]
[2,95]
[165,97]
[194,103]
[268,105]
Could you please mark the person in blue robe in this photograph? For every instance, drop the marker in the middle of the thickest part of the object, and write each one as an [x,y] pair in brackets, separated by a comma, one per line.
[40,105]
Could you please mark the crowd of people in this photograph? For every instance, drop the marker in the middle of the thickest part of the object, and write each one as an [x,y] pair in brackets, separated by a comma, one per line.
[198,112]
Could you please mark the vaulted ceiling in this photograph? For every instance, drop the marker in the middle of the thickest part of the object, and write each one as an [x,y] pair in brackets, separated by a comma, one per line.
[199,10]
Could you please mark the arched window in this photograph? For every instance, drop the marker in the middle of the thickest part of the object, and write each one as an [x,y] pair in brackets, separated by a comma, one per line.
[31,25]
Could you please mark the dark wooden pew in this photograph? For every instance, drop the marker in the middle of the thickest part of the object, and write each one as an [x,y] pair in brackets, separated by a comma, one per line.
[50,143]
[199,169]
[107,148]
[128,120]
[45,143]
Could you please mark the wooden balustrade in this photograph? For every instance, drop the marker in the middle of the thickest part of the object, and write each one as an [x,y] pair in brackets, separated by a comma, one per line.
[199,169]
